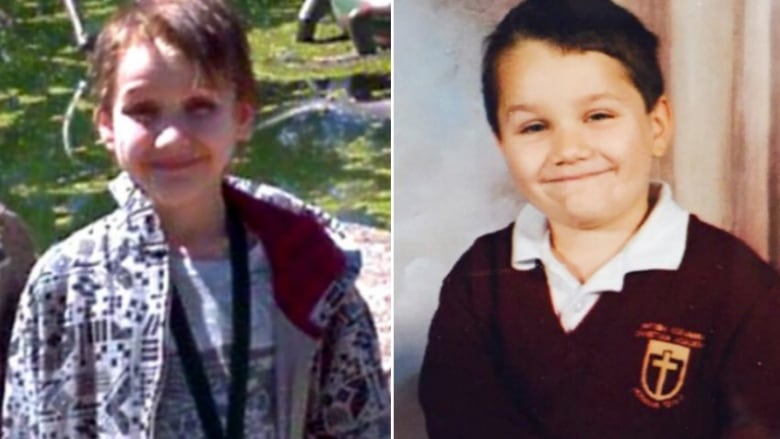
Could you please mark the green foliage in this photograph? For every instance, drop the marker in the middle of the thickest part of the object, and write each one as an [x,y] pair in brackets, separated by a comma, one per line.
[348,174]
[282,59]
[55,194]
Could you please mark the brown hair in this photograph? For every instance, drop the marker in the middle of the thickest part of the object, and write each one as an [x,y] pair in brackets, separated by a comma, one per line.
[208,33]
[577,26]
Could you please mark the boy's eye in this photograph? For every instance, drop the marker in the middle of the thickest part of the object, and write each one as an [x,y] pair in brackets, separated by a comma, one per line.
[533,127]
[599,115]
[200,106]
[143,112]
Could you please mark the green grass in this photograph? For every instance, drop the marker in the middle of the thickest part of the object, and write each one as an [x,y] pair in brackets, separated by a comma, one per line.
[56,194]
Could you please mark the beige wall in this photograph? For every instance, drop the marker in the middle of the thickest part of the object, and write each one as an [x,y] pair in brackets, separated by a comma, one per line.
[718,56]
[451,185]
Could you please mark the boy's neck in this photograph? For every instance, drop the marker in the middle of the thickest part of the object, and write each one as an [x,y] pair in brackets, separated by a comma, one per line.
[585,251]
[196,228]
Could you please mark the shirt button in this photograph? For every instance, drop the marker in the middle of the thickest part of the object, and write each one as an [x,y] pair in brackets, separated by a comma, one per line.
[579,306]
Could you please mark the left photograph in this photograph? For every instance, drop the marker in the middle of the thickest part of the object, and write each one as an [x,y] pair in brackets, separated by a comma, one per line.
[195,218]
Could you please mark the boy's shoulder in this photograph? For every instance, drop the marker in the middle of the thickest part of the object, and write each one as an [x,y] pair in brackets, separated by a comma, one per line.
[280,199]
[293,208]
[86,248]
[713,243]
[488,253]
[717,253]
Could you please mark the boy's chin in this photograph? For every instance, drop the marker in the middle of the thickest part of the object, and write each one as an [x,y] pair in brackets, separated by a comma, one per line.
[175,194]
[579,223]
[583,219]
[605,220]
[594,211]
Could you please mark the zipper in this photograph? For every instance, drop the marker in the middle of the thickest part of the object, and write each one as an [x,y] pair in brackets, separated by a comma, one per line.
[158,388]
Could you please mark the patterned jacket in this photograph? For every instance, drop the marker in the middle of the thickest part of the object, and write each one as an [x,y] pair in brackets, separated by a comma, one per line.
[86,355]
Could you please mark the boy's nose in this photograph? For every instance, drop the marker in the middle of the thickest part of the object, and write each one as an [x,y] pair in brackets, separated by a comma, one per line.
[569,145]
[170,134]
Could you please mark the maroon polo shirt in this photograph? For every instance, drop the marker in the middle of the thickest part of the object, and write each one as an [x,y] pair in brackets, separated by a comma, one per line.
[691,353]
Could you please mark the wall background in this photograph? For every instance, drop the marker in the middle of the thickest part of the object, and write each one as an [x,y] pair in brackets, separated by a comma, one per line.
[451,184]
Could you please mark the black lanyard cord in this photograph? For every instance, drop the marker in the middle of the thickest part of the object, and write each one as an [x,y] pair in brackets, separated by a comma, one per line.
[192,363]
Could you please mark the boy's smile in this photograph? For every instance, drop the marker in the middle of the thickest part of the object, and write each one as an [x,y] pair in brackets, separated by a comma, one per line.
[576,136]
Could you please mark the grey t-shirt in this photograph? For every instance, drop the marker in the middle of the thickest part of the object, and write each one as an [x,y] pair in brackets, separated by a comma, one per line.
[205,288]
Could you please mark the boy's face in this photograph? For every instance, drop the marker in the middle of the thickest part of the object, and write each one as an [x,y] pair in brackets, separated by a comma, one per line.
[172,133]
[576,136]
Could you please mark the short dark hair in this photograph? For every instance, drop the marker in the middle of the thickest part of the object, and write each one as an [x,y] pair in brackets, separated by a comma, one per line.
[581,26]
[206,32]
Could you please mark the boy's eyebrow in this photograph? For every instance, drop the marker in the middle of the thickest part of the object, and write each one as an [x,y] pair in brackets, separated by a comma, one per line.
[599,96]
[142,87]
[133,87]
[587,99]
[529,108]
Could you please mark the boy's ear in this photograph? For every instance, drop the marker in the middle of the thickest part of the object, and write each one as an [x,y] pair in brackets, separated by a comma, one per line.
[105,127]
[245,120]
[662,126]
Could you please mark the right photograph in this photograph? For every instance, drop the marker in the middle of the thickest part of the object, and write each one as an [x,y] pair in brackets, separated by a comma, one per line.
[586,219]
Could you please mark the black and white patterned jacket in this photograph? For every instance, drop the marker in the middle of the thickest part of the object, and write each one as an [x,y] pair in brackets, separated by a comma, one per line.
[86,355]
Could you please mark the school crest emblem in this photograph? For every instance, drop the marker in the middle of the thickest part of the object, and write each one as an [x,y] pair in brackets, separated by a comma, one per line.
[663,370]
[666,359]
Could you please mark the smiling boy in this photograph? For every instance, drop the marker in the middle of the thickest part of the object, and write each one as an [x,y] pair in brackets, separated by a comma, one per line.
[605,310]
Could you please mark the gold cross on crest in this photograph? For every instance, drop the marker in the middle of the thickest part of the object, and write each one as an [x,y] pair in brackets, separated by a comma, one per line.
[663,369]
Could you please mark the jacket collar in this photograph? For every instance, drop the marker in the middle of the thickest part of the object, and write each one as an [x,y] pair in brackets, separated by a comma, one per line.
[306,263]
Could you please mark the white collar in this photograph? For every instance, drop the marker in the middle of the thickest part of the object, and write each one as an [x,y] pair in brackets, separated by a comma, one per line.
[659,244]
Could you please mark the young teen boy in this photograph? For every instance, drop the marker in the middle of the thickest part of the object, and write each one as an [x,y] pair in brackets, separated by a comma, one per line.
[605,310]
[203,306]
